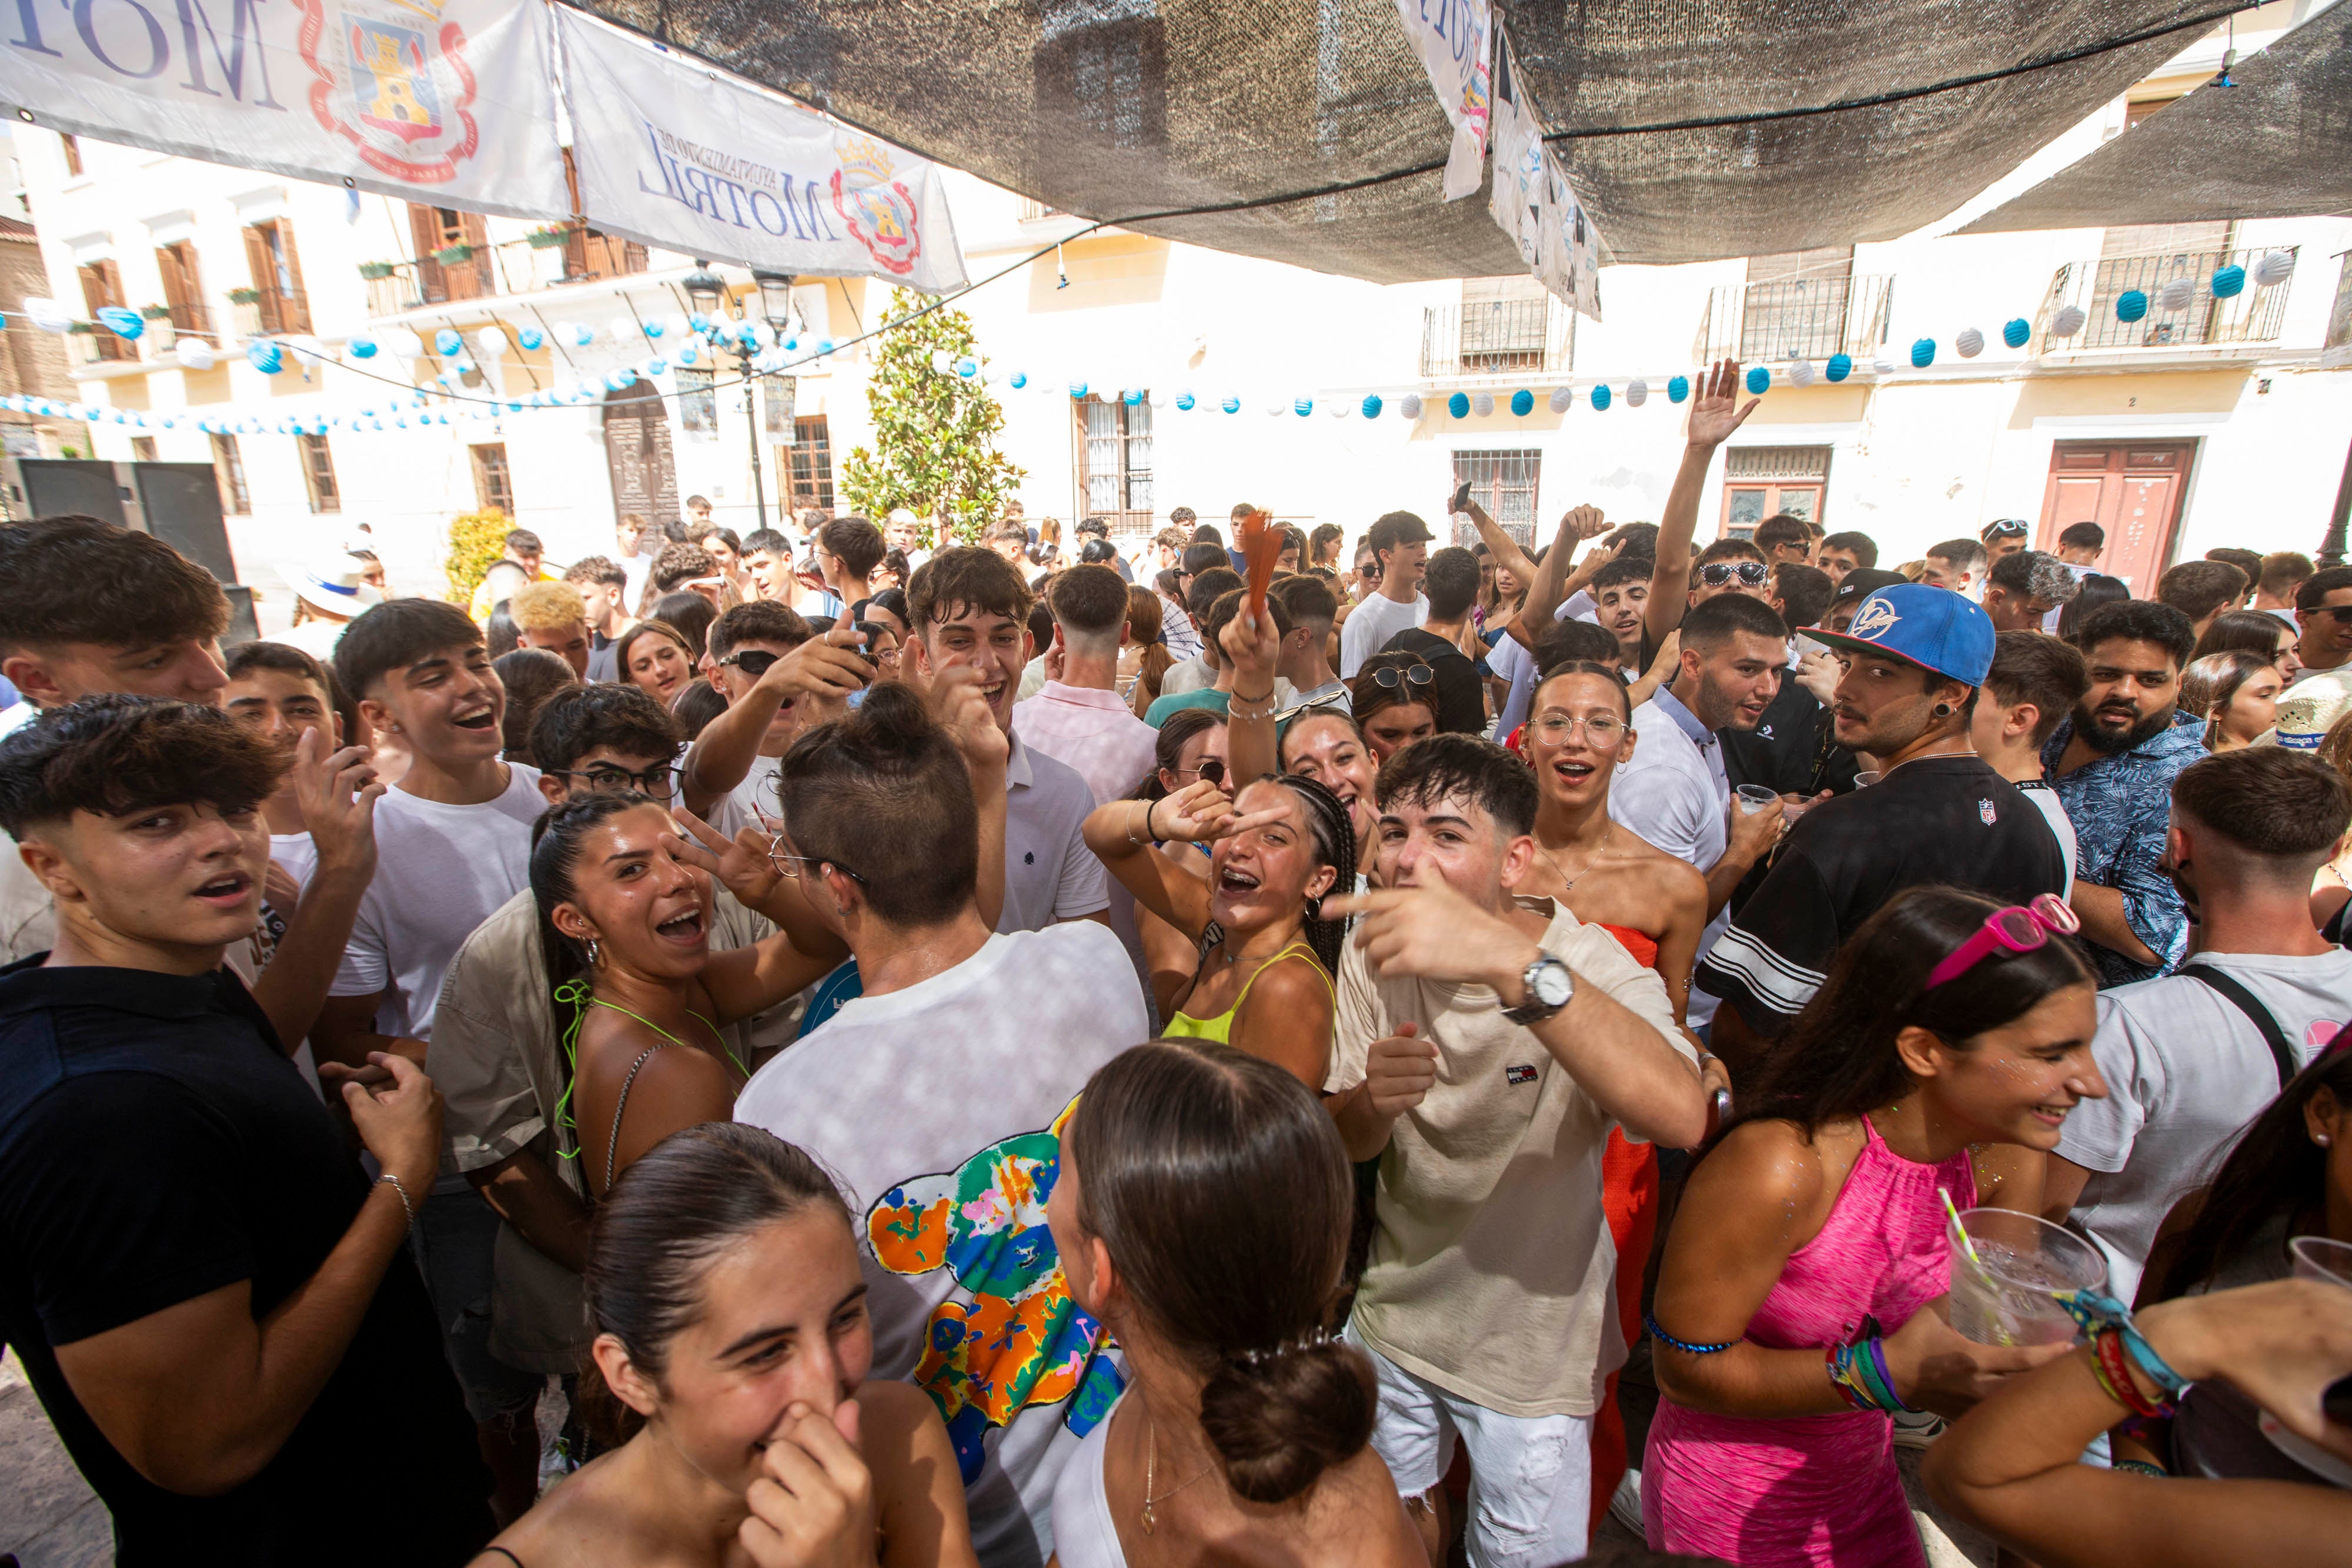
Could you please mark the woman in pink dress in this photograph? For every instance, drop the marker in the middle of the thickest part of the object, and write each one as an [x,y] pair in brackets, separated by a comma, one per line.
[1789,1323]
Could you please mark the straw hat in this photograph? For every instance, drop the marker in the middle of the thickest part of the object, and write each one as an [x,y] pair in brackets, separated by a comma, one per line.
[336,585]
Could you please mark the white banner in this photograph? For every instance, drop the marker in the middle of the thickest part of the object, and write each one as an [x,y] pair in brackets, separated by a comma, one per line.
[446,101]
[678,155]
[1455,39]
[1517,199]
[1567,254]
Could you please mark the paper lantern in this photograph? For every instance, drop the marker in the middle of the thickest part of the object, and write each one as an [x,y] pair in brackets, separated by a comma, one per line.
[1562,399]
[1275,408]
[1523,403]
[1759,379]
[263,356]
[1408,405]
[1969,341]
[492,343]
[2016,331]
[2275,268]
[1231,406]
[1370,407]
[582,333]
[47,314]
[2177,293]
[361,346]
[1800,372]
[1185,400]
[1482,404]
[688,354]
[1079,391]
[1599,398]
[2131,305]
[2229,281]
[446,341]
[1338,407]
[967,368]
[1017,380]
[2067,321]
[1678,389]
[1637,392]
[123,321]
[1923,353]
[624,328]
[653,367]
[1882,367]
[1458,405]
[196,354]
[940,359]
[1839,367]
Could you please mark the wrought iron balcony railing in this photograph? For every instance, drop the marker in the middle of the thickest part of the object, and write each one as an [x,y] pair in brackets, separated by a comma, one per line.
[1795,319]
[2255,315]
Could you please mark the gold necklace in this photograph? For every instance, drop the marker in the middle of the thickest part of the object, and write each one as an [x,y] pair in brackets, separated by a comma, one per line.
[1151,1470]
[1567,882]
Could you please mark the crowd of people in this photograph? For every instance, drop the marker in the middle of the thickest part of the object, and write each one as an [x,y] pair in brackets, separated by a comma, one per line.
[840,1046]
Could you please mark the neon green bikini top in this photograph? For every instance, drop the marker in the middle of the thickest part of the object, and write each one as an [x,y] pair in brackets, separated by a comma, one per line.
[1184,1026]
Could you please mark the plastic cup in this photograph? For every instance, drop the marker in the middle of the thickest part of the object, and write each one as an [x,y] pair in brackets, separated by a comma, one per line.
[2317,1258]
[2005,1295]
[1865,780]
[1753,798]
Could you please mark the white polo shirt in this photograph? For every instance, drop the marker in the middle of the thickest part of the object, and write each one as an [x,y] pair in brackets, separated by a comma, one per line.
[1049,872]
[1674,793]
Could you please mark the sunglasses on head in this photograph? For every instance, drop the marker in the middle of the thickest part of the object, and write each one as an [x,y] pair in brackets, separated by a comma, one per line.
[1391,678]
[2020,928]
[1717,574]
[2005,527]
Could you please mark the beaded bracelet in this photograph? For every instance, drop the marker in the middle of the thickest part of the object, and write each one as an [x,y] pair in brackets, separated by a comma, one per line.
[1650,1321]
[2141,1467]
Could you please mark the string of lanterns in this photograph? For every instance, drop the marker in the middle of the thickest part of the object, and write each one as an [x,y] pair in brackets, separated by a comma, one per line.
[689,339]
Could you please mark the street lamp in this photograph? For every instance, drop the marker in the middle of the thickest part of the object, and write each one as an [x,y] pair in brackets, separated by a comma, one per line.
[707,292]
[776,298]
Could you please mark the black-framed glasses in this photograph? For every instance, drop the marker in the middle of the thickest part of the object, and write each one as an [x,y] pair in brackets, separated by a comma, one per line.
[1390,678]
[2343,613]
[2005,528]
[658,780]
[752,662]
[1718,573]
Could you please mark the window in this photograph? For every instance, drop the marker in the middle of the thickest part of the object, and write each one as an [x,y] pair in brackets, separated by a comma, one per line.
[1796,303]
[2339,315]
[778,394]
[1760,482]
[1505,483]
[72,148]
[1506,323]
[319,473]
[697,401]
[102,285]
[183,288]
[444,231]
[228,472]
[588,254]
[493,487]
[142,449]
[1115,460]
[277,275]
[809,459]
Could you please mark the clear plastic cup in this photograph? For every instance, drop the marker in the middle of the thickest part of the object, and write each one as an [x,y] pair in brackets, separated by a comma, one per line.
[2317,1258]
[1753,798]
[2006,1294]
[1864,779]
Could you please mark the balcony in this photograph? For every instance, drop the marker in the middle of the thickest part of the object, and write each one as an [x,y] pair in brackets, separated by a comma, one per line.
[2253,315]
[269,312]
[514,267]
[1497,337]
[95,345]
[188,320]
[1796,318]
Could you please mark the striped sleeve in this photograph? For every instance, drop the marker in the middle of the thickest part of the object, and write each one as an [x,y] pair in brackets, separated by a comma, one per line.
[1775,954]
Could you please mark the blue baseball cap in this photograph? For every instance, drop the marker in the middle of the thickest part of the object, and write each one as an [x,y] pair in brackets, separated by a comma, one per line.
[1931,627]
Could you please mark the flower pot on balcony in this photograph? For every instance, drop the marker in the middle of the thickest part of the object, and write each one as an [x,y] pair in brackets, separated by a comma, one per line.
[375,271]
[454,254]
[547,239]
[159,334]
[244,296]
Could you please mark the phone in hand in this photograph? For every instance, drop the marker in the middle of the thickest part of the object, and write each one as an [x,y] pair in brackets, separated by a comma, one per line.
[1461,501]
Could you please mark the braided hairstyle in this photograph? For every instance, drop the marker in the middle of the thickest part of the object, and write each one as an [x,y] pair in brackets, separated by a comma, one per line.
[1334,829]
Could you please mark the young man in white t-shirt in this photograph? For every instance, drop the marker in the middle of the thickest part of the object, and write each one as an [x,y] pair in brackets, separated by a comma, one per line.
[2191,1057]
[453,843]
[1400,545]
[2034,682]
[937,1097]
[1484,1047]
[778,680]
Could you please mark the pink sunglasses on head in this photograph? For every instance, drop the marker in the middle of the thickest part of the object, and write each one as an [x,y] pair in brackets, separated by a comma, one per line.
[2020,928]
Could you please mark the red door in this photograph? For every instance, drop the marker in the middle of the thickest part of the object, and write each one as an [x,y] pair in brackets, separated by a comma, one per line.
[2132,490]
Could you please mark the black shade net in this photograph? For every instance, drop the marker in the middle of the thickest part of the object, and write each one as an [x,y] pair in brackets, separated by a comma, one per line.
[2276,144]
[1114,109]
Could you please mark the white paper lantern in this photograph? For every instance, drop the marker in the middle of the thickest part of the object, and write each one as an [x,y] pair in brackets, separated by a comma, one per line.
[1482,404]
[47,314]
[1801,372]
[1408,405]
[1276,406]
[1969,341]
[1562,399]
[196,354]
[2178,294]
[2067,321]
[491,342]
[2275,268]
[404,343]
[1637,392]
[675,324]
[942,360]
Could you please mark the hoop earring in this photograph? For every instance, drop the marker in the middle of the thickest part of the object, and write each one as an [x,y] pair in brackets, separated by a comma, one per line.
[593,959]
[1314,908]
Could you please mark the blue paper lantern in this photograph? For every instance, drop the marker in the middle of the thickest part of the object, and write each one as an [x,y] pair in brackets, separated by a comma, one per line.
[1840,366]
[263,356]
[1370,407]
[2016,332]
[1923,353]
[823,346]
[121,320]
[446,341]
[1232,405]
[1678,389]
[1132,397]
[698,321]
[1016,381]
[1078,389]
[2229,281]
[2131,305]
[655,367]
[1185,402]
[1458,405]
[1602,397]
[688,354]
[531,338]
[1523,403]
[1302,406]
[967,368]
[653,328]
[1759,378]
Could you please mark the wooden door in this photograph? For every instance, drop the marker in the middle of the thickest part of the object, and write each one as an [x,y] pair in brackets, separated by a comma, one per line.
[2133,490]
[638,448]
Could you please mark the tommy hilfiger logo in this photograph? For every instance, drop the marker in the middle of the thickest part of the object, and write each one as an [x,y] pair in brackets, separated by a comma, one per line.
[1521,1074]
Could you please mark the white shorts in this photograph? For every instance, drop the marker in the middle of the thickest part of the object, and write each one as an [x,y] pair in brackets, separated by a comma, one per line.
[1530,1476]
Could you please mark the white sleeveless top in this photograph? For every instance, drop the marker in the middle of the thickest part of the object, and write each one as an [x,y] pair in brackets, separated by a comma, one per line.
[1084,1536]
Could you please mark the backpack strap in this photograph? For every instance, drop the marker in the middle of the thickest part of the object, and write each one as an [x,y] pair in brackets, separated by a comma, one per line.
[2282,1054]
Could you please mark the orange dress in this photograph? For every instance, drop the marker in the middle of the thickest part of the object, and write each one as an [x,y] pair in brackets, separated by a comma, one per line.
[1629,1197]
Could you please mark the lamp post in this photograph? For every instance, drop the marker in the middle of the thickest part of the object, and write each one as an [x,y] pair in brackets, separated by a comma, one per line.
[707,291]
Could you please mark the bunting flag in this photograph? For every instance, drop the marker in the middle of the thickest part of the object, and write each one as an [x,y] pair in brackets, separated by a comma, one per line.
[1568,254]
[1455,39]
[1517,140]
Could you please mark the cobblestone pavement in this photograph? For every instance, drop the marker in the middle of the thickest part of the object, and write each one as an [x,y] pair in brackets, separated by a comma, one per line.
[51,1517]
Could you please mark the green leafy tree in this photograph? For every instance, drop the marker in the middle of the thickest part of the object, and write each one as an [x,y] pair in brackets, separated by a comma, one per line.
[476,541]
[934,431]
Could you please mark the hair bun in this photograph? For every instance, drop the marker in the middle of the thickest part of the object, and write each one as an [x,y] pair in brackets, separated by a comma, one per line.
[1280,1419]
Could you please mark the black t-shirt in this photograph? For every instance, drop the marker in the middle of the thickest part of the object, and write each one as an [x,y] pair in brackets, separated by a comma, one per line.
[155,1144]
[1937,820]
[1460,701]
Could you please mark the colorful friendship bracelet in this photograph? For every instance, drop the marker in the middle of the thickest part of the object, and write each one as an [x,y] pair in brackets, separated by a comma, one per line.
[2108,1354]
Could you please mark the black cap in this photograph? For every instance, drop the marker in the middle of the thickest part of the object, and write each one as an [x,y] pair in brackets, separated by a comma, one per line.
[1861,583]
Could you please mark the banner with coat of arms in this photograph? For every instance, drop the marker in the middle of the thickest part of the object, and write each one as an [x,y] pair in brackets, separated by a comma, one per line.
[675,154]
[445,101]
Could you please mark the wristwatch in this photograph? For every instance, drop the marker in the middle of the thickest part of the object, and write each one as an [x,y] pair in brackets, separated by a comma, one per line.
[1548,985]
